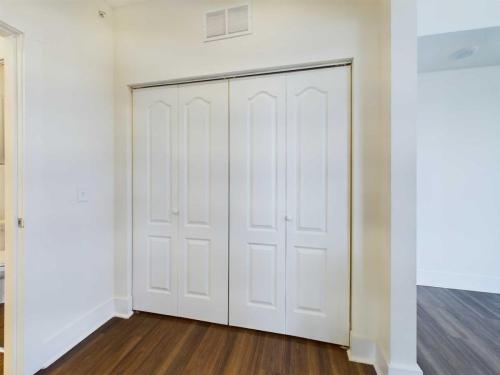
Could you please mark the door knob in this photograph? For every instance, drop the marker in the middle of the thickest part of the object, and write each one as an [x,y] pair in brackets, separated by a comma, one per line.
[175,212]
[288,218]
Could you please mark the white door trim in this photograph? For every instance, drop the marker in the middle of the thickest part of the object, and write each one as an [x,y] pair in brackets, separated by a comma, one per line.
[14,249]
[246,73]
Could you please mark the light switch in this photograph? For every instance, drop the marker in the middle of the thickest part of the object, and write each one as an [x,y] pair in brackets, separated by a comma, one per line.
[82,195]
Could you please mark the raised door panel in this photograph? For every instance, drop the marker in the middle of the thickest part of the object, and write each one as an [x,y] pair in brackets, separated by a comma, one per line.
[155,179]
[203,201]
[318,158]
[197,160]
[312,154]
[257,208]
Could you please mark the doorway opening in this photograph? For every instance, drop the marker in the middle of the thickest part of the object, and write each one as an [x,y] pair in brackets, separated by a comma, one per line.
[458,208]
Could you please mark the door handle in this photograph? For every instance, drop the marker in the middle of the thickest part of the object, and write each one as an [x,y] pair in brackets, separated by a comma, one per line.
[288,218]
[175,212]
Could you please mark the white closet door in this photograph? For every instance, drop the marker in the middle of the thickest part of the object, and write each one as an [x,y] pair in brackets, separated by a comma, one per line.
[258,167]
[155,194]
[318,117]
[203,201]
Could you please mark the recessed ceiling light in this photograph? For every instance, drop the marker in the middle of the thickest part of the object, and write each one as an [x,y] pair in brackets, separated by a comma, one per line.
[464,53]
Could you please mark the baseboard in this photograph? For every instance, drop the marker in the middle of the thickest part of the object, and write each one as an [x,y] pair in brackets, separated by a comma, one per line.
[362,350]
[368,351]
[395,369]
[381,364]
[73,333]
[123,307]
[450,280]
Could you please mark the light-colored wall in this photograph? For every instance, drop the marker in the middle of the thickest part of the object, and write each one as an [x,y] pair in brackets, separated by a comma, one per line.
[402,312]
[446,16]
[68,262]
[459,179]
[68,124]
[2,182]
[162,39]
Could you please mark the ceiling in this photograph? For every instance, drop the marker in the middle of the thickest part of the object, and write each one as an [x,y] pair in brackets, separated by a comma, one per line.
[443,51]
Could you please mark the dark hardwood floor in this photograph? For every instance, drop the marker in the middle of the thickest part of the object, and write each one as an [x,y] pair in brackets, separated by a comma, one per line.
[1,324]
[458,332]
[154,344]
[1,334]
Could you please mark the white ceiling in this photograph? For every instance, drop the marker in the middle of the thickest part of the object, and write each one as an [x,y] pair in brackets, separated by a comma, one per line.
[435,52]
[445,16]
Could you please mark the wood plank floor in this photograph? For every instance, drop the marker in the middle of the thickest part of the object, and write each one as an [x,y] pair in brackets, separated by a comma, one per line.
[154,344]
[458,332]
[2,329]
[1,324]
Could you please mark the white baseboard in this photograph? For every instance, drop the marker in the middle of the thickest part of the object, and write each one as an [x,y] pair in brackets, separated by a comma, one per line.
[362,350]
[450,280]
[73,333]
[381,364]
[395,369]
[366,350]
[123,307]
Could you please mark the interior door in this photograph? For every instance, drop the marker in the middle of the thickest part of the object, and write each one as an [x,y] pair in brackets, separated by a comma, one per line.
[318,158]
[203,201]
[258,167]
[155,235]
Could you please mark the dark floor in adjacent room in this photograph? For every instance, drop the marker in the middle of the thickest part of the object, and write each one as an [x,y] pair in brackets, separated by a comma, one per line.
[1,325]
[154,344]
[2,328]
[458,332]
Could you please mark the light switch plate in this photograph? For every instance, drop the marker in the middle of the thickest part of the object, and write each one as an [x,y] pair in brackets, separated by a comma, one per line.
[82,195]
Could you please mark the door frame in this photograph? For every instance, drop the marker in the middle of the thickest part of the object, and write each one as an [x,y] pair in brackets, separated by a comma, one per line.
[14,222]
[246,73]
[227,76]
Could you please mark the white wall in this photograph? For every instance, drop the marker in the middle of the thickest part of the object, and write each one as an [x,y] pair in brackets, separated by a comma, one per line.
[459,179]
[68,267]
[402,312]
[68,260]
[2,182]
[162,39]
[445,16]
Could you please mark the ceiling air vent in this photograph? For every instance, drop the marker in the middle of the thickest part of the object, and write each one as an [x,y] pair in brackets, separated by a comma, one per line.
[227,23]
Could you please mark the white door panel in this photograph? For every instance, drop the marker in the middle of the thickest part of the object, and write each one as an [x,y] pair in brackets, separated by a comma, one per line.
[203,201]
[318,117]
[257,239]
[155,180]
[287,202]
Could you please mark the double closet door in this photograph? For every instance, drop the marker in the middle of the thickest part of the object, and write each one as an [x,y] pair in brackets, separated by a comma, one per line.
[264,243]
[289,207]
[180,201]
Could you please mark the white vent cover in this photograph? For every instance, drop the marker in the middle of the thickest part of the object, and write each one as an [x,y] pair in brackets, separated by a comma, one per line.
[216,24]
[227,23]
[238,19]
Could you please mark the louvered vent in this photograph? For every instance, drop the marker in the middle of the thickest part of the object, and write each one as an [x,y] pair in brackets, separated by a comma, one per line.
[227,23]
[238,20]
[216,24]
